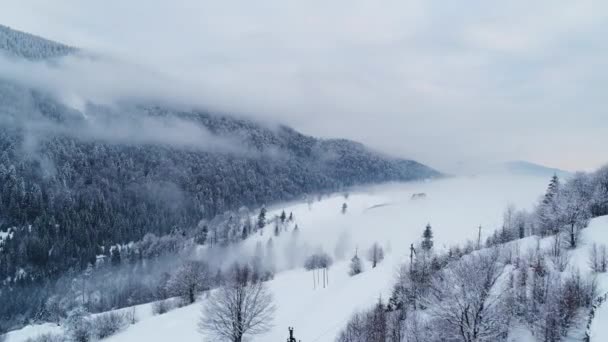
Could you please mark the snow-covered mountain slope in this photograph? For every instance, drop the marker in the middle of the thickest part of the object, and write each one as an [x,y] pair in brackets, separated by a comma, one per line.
[387,214]
[21,44]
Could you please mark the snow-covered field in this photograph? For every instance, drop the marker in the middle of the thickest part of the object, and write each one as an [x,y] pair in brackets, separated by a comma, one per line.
[455,207]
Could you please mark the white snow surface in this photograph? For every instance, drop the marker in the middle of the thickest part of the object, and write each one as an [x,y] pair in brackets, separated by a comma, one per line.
[455,207]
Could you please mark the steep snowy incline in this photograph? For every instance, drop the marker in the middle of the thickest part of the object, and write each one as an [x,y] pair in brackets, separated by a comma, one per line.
[597,232]
[455,208]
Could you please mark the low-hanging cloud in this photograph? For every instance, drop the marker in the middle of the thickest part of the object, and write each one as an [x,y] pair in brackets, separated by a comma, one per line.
[97,107]
[485,82]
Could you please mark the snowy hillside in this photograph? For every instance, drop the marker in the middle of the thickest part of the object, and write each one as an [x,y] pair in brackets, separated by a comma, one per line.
[387,214]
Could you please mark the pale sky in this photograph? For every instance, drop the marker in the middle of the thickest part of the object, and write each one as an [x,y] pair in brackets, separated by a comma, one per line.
[448,83]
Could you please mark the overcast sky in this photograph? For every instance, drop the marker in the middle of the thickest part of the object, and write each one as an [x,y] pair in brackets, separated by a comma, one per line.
[448,83]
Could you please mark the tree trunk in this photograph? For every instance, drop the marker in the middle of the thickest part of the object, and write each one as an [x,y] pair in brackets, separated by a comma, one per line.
[572,237]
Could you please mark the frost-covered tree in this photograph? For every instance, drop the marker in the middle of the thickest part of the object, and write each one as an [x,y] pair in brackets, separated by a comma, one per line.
[547,211]
[599,205]
[369,326]
[356,266]
[237,310]
[262,218]
[189,280]
[574,206]
[375,254]
[378,323]
[427,238]
[355,330]
[464,300]
[317,262]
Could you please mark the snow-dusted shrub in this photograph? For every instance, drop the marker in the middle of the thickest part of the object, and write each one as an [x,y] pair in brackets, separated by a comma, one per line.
[108,324]
[162,306]
[45,338]
[78,326]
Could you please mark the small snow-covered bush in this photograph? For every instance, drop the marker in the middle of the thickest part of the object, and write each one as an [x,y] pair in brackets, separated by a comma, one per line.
[162,306]
[46,338]
[108,324]
[78,326]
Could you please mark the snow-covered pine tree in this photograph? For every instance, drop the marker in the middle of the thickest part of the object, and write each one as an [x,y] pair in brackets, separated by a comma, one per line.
[547,211]
[262,218]
[427,238]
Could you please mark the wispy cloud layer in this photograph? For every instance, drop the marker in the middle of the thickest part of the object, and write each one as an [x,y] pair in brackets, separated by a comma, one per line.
[444,82]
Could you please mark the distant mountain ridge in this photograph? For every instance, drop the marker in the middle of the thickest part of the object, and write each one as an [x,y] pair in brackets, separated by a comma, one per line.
[533,169]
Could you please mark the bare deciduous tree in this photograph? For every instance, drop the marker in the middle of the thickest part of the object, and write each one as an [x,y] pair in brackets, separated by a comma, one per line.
[236,310]
[189,280]
[464,300]
[574,205]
